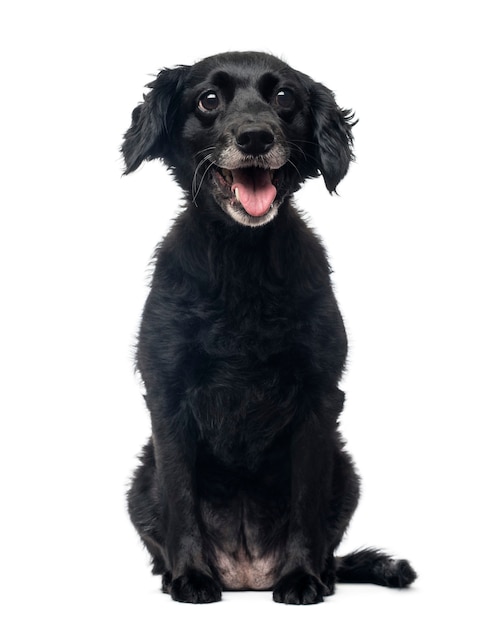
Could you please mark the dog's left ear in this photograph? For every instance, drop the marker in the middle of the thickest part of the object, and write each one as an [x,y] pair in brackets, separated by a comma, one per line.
[332,130]
[151,132]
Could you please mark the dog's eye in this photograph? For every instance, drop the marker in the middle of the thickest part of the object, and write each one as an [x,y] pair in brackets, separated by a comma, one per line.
[209,101]
[285,99]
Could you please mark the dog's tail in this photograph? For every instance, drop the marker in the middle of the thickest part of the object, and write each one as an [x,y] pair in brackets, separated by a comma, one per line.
[374,566]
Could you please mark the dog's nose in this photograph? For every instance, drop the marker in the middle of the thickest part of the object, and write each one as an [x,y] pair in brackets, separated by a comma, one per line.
[255,139]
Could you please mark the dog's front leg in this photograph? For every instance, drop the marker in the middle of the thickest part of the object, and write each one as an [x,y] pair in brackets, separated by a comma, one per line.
[311,469]
[189,578]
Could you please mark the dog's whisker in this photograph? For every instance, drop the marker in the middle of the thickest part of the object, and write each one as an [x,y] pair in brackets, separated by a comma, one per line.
[307,141]
[294,166]
[197,169]
[295,147]
[195,186]
[210,149]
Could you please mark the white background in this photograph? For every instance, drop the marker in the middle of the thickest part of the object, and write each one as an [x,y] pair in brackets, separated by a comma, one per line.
[415,239]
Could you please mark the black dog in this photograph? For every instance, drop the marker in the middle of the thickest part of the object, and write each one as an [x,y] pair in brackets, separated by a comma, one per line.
[245,483]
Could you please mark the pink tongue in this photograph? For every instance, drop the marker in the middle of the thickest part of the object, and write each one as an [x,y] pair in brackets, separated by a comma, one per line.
[255,190]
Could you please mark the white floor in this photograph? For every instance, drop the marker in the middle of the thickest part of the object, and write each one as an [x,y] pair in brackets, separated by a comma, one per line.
[128,597]
[105,580]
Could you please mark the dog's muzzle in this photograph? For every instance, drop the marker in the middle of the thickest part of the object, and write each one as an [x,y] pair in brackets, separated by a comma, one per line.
[252,187]
[247,174]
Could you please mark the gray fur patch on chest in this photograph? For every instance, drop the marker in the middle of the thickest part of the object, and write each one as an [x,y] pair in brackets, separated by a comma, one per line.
[237,538]
[242,571]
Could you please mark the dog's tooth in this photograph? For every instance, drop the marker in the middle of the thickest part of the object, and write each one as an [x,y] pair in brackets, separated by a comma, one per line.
[237,194]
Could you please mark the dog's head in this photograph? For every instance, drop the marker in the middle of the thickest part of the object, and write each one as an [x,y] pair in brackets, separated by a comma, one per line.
[243,129]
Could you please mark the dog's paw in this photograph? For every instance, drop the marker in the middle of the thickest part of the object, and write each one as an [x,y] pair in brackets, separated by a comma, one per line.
[194,587]
[329,581]
[299,587]
[166,581]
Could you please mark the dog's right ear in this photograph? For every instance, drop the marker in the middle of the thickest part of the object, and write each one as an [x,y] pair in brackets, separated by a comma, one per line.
[153,120]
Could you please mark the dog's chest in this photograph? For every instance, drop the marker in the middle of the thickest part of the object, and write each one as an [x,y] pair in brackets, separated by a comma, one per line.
[239,419]
[243,376]
[249,323]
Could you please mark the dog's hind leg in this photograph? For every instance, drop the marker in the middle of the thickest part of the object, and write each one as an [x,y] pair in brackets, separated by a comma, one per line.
[345,497]
[144,510]
[366,565]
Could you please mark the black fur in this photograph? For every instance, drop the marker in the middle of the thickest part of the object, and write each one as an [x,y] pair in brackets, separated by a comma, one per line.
[245,482]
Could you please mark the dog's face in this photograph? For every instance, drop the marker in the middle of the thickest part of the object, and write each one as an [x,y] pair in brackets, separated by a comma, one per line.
[241,131]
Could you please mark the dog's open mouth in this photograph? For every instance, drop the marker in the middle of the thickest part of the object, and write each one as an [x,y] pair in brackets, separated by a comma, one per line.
[251,187]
